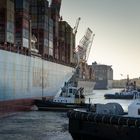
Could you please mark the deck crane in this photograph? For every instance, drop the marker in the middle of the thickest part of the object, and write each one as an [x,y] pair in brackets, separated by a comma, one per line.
[85,45]
[83,51]
[76,26]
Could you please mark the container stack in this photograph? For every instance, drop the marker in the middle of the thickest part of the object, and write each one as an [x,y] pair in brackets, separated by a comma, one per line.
[39,12]
[50,37]
[62,41]
[22,19]
[65,42]
[68,44]
[7,30]
[55,15]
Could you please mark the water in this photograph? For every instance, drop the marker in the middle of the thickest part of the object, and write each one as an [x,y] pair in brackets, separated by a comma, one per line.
[39,125]
[35,126]
[98,97]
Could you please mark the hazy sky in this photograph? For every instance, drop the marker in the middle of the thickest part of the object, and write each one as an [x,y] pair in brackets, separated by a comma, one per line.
[116,24]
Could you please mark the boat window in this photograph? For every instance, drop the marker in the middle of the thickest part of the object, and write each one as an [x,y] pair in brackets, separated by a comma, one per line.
[139,111]
[70,90]
[74,91]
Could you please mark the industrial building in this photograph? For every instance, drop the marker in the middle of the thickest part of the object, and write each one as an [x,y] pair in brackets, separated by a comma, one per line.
[103,76]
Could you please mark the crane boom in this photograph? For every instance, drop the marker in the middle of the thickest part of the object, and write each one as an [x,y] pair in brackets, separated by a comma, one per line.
[76,26]
[89,47]
[85,45]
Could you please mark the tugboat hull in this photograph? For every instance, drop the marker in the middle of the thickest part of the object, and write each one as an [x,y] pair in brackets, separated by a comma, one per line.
[118,96]
[54,106]
[83,126]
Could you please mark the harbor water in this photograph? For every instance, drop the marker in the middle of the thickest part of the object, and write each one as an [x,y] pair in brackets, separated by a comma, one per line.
[45,125]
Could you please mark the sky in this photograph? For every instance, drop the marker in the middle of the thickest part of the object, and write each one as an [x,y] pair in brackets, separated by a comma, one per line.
[116,25]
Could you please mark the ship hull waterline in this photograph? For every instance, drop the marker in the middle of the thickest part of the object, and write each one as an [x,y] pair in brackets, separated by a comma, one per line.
[22,77]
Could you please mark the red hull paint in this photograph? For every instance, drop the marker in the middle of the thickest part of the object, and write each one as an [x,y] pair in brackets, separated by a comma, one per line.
[10,106]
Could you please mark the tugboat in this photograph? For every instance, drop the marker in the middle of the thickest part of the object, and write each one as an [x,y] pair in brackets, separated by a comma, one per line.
[129,92]
[105,122]
[124,94]
[70,97]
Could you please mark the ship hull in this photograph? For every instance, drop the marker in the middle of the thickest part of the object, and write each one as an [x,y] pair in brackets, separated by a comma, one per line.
[25,78]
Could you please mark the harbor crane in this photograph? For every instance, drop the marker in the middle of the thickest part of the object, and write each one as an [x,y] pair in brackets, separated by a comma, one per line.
[84,47]
[76,26]
[83,50]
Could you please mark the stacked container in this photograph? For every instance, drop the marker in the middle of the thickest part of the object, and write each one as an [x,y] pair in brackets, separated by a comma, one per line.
[55,9]
[39,12]
[62,41]
[66,40]
[68,44]
[50,37]
[22,36]
[7,30]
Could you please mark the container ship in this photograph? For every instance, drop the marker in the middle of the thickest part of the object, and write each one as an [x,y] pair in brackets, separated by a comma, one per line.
[36,52]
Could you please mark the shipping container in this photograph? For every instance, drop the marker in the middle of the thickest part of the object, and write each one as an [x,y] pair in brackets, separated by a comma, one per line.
[7,4]
[25,33]
[20,22]
[51,36]
[42,10]
[10,26]
[22,42]
[9,37]
[2,15]
[22,13]
[46,34]
[34,18]
[25,23]
[43,3]
[18,34]
[51,29]
[7,27]
[10,5]
[33,10]
[25,43]
[51,51]
[22,5]
[2,37]
[10,16]
[18,41]
[34,25]
[50,22]
[50,44]
[46,42]
[33,2]
[2,26]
